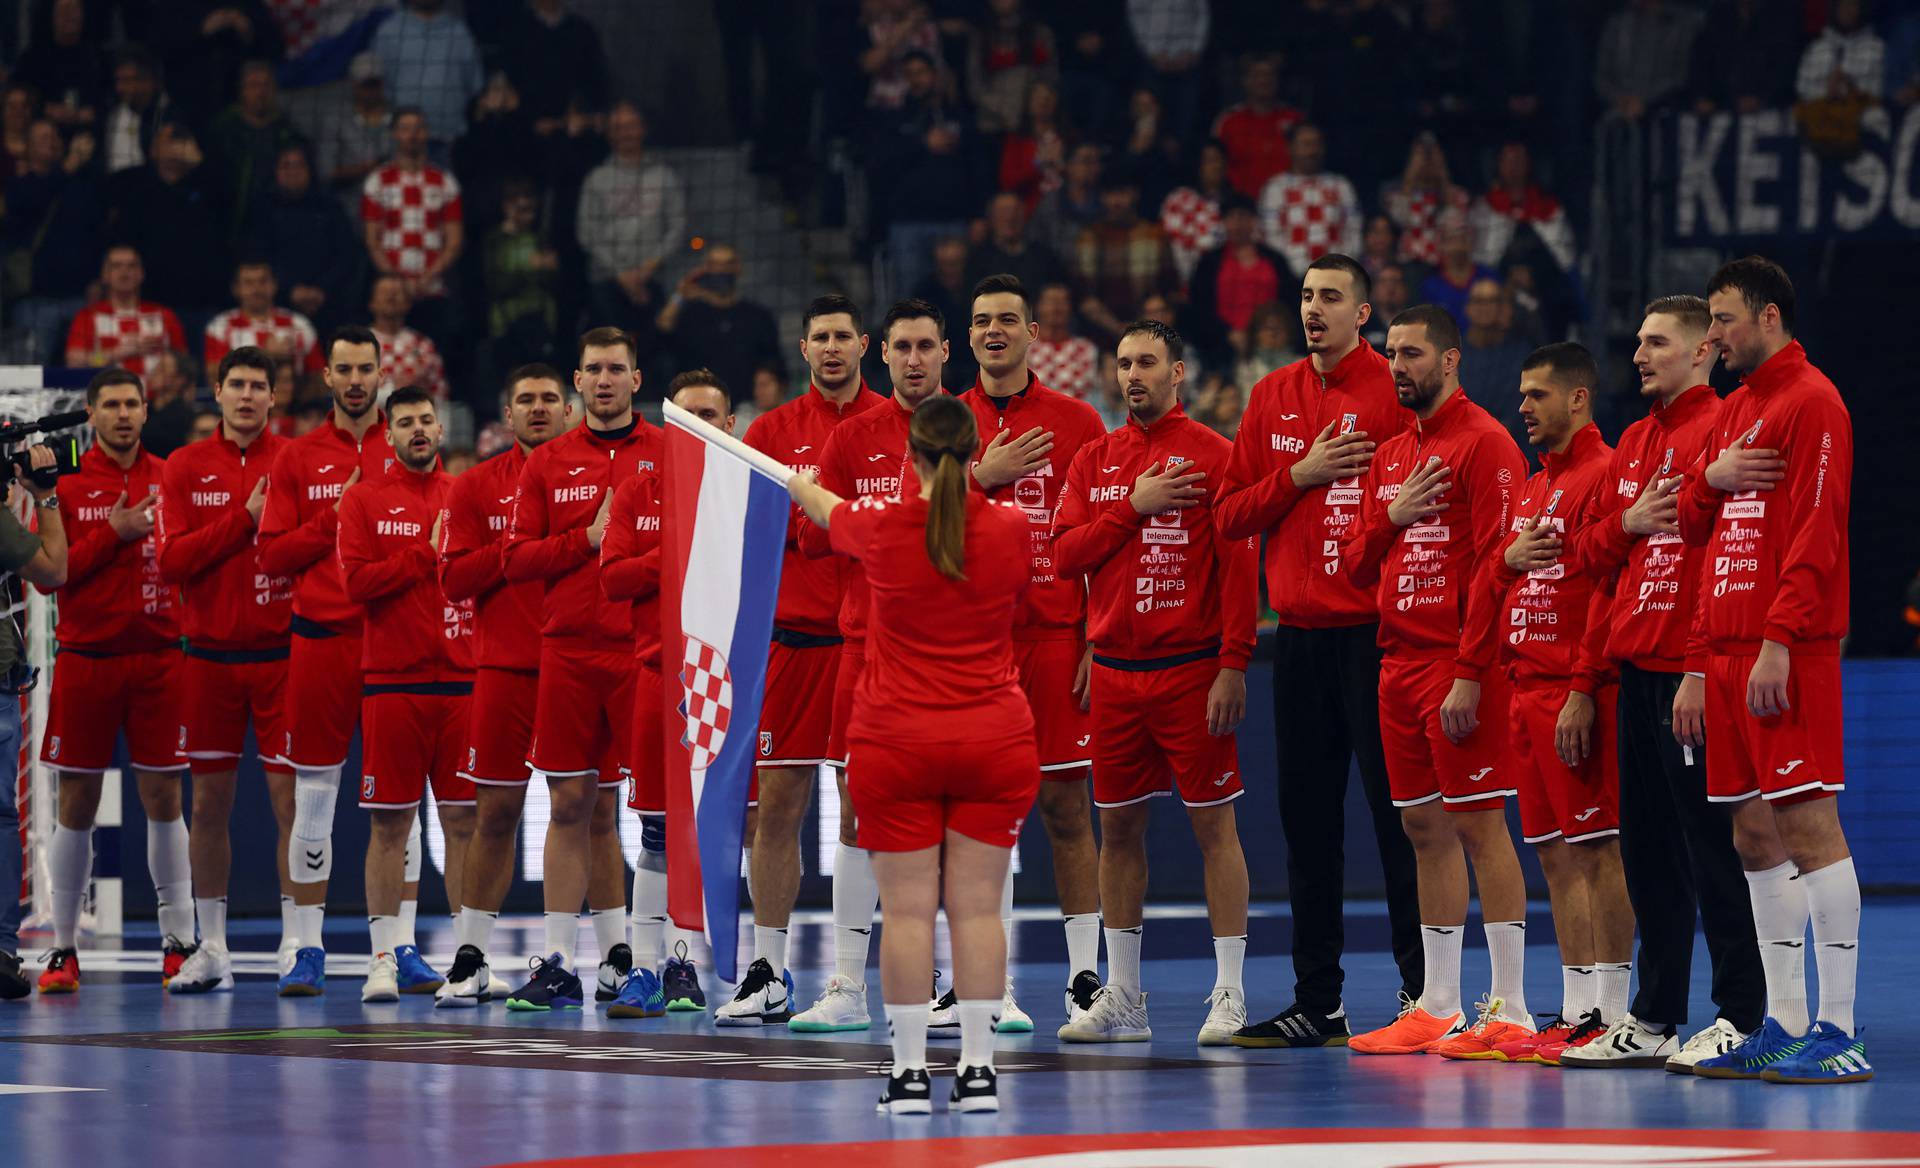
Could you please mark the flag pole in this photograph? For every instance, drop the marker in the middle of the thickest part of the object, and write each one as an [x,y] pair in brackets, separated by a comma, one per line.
[773,468]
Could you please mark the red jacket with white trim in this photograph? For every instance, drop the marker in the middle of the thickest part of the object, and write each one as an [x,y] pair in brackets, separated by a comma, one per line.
[506,615]
[115,599]
[299,526]
[210,550]
[412,634]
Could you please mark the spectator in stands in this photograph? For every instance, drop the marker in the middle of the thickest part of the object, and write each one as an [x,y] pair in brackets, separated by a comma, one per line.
[1516,205]
[1172,37]
[558,65]
[1644,52]
[431,63]
[1033,157]
[633,215]
[203,43]
[1256,131]
[1154,154]
[711,326]
[170,404]
[1379,244]
[946,288]
[1271,342]
[121,328]
[413,222]
[1353,58]
[19,109]
[170,211]
[315,253]
[924,148]
[1190,215]
[1064,213]
[1390,295]
[1010,248]
[358,141]
[1092,40]
[206,423]
[895,30]
[1305,212]
[1423,193]
[1059,357]
[1122,259]
[1847,59]
[406,356]
[1218,405]
[1491,356]
[1746,65]
[1008,53]
[138,109]
[282,332]
[55,210]
[244,142]
[1446,74]
[67,69]
[769,391]
[499,144]
[520,267]
[1230,282]
[1448,283]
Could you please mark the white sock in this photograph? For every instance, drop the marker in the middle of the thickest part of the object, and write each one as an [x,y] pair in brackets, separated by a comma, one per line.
[1006,910]
[311,924]
[563,934]
[409,915]
[1441,993]
[695,941]
[1833,896]
[172,876]
[69,864]
[1083,943]
[649,920]
[746,865]
[289,923]
[855,896]
[1613,980]
[212,911]
[1579,991]
[1507,945]
[386,934]
[772,945]
[1229,958]
[977,1019]
[1123,957]
[907,1029]
[609,929]
[1780,912]
[474,926]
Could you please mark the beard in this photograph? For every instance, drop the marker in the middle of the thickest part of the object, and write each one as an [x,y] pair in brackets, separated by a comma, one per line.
[1418,395]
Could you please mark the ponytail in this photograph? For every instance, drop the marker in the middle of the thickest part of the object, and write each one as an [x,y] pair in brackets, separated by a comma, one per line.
[943,433]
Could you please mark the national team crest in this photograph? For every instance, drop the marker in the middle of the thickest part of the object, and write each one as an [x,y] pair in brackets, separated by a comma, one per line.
[766,744]
[706,701]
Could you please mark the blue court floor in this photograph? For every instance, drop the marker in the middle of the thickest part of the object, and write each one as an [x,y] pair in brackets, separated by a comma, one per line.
[123,1073]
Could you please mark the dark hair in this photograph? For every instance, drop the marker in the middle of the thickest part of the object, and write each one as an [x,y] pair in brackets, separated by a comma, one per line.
[252,260]
[944,433]
[350,334]
[1333,261]
[1690,311]
[1004,282]
[701,376]
[913,308]
[1760,282]
[407,111]
[1568,363]
[1167,334]
[832,304]
[519,186]
[410,395]
[1442,330]
[244,357]
[1235,201]
[140,57]
[113,375]
[607,336]
[534,371]
[912,55]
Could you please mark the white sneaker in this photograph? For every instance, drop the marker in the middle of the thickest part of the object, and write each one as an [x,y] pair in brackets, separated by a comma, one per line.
[469,982]
[208,970]
[943,1016]
[1627,1044]
[842,1006]
[1013,1020]
[285,956]
[763,999]
[1117,1015]
[1712,1042]
[383,980]
[1227,1013]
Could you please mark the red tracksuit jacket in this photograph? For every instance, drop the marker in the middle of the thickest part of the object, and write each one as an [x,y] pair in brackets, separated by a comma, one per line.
[1055,607]
[1286,410]
[560,492]
[1776,561]
[413,634]
[114,600]
[506,616]
[1556,618]
[1655,615]
[866,456]
[298,527]
[209,549]
[1160,585]
[796,434]
[1433,579]
[630,560]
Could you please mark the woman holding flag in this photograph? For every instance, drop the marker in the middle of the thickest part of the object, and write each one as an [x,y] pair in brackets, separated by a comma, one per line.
[941,764]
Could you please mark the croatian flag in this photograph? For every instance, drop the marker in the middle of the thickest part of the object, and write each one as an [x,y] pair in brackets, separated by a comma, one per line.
[724,511]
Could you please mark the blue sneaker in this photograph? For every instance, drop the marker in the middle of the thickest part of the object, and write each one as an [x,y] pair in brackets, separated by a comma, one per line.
[552,987]
[681,982]
[416,976]
[308,977]
[640,997]
[1763,1048]
[1830,1056]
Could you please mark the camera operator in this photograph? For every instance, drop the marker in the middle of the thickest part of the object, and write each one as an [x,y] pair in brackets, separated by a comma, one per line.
[40,558]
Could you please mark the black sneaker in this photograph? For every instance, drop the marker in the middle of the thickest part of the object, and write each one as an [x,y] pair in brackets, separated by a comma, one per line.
[908,1093]
[552,987]
[13,983]
[1296,1026]
[682,982]
[1081,992]
[975,1089]
[613,973]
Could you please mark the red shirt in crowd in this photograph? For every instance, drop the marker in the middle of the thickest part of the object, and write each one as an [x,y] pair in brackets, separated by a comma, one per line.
[104,335]
[506,616]
[281,330]
[210,550]
[413,634]
[866,457]
[630,560]
[1159,585]
[411,208]
[298,530]
[1257,144]
[114,600]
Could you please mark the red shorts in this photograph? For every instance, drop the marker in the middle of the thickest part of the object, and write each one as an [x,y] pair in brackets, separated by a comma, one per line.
[583,714]
[907,797]
[1795,756]
[94,699]
[1422,763]
[796,717]
[1557,801]
[500,727]
[323,700]
[216,700]
[1062,732]
[408,740]
[1151,737]
[846,675]
[646,758]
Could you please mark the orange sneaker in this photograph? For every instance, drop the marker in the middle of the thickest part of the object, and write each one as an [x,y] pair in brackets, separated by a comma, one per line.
[1411,1033]
[62,974]
[1525,1050]
[1488,1031]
